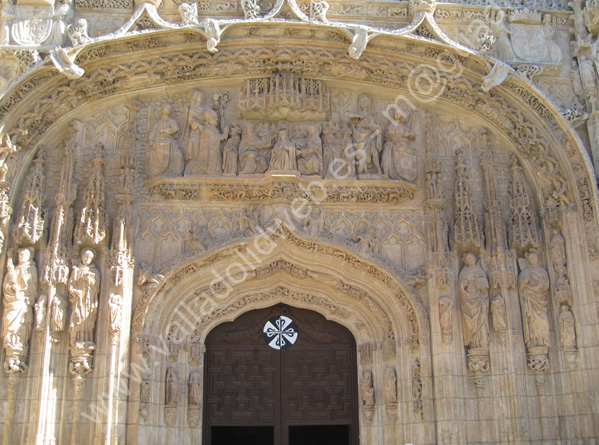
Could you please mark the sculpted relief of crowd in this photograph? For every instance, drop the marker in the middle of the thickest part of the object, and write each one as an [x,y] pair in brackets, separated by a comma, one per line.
[208,145]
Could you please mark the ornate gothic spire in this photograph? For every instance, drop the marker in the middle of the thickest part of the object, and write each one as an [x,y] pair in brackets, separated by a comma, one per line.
[91,226]
[523,234]
[467,234]
[31,218]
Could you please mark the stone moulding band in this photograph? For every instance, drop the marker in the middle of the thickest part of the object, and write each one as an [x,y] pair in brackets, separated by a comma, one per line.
[268,189]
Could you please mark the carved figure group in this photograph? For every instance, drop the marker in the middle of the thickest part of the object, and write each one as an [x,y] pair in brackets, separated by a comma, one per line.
[205,146]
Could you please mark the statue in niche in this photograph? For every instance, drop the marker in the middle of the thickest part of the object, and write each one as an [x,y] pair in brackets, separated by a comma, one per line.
[310,155]
[172,387]
[40,310]
[474,298]
[126,178]
[195,388]
[367,389]
[567,329]
[20,293]
[253,151]
[331,148]
[58,313]
[446,318]
[433,180]
[533,285]
[84,286]
[164,156]
[283,155]
[557,252]
[367,139]
[230,151]
[390,386]
[498,313]
[399,158]
[115,312]
[204,155]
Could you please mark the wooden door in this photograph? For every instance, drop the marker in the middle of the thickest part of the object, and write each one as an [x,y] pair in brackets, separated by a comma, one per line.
[290,383]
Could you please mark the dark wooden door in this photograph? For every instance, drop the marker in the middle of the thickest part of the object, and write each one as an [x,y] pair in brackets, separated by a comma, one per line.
[265,395]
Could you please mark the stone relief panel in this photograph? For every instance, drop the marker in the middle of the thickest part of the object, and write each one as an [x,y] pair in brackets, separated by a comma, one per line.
[167,233]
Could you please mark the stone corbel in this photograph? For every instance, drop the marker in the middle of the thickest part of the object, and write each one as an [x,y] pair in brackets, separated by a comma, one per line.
[64,61]
[496,76]
[213,33]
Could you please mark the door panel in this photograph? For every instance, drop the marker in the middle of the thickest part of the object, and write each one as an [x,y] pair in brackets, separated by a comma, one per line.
[306,392]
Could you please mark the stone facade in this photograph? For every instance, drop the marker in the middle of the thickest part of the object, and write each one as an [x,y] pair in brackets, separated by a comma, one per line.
[422,173]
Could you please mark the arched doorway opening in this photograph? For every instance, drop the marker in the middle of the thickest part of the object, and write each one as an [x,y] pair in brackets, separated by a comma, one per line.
[281,375]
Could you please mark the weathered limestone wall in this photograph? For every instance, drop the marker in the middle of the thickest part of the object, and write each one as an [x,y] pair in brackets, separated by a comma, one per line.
[421,173]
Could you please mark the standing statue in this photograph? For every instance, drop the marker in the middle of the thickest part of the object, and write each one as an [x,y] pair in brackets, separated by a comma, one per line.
[498,313]
[331,148]
[446,318]
[196,154]
[474,299]
[390,386]
[164,156]
[172,387]
[533,285]
[557,252]
[283,154]
[567,329]
[195,388]
[230,151]
[115,312]
[347,152]
[399,158]
[204,155]
[367,139]
[310,155]
[84,286]
[20,293]
[367,389]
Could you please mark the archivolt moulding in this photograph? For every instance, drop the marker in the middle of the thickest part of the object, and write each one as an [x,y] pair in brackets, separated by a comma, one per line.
[368,285]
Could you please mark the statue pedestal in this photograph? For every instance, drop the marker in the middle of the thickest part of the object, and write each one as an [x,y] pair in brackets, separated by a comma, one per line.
[478,360]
